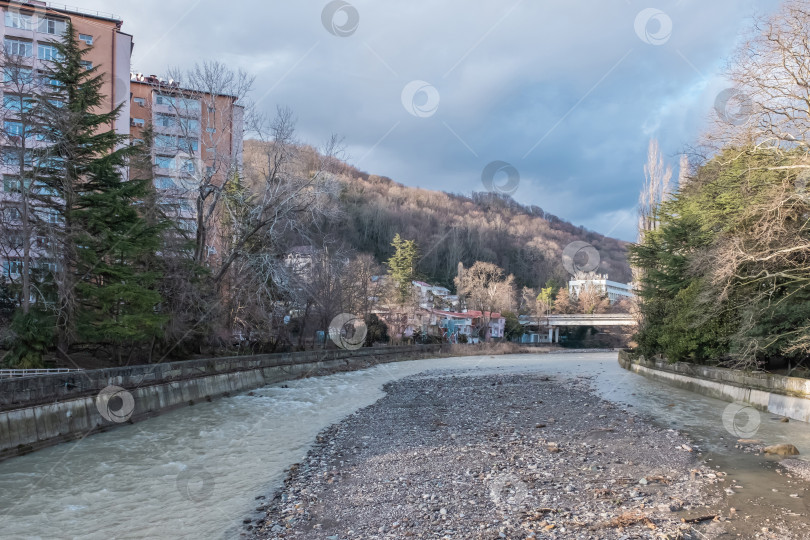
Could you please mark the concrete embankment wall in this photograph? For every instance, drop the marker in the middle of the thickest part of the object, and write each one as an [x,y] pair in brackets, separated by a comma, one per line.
[777,394]
[36,412]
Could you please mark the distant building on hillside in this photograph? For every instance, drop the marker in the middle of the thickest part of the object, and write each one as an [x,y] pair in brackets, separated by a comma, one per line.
[299,261]
[452,325]
[434,296]
[614,290]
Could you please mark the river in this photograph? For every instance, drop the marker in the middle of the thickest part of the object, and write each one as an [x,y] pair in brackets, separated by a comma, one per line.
[196,472]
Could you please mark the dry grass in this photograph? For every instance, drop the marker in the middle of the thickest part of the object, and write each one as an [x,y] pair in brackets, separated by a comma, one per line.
[628,519]
[496,349]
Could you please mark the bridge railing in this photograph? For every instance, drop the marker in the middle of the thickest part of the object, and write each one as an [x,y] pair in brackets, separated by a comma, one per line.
[10,373]
[578,316]
[582,319]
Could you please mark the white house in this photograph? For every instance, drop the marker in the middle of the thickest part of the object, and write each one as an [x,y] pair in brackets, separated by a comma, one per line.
[614,290]
[434,296]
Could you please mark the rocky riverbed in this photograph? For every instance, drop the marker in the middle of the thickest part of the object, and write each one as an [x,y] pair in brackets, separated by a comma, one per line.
[509,456]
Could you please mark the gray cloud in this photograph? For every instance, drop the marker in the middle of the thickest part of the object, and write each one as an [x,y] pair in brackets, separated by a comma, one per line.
[572,80]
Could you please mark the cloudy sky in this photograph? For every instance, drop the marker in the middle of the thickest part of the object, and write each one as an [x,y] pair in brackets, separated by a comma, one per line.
[567,92]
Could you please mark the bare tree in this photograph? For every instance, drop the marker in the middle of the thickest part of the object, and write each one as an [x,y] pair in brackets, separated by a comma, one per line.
[592,299]
[287,195]
[684,172]
[563,303]
[771,97]
[486,289]
[200,116]
[21,190]
[657,177]
[239,212]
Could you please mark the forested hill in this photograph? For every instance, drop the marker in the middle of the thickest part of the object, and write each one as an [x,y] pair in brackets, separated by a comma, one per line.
[450,228]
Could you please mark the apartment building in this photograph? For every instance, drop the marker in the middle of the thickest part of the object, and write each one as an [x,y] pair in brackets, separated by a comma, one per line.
[29,28]
[197,137]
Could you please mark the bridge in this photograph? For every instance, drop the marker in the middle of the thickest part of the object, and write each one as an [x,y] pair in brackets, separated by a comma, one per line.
[601,319]
[554,322]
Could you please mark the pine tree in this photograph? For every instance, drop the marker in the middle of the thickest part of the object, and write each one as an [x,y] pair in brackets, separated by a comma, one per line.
[116,289]
[102,242]
[402,265]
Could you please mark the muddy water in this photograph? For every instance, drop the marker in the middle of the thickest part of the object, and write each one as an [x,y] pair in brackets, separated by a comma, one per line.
[195,472]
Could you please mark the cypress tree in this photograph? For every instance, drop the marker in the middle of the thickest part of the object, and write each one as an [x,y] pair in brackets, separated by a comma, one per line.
[402,265]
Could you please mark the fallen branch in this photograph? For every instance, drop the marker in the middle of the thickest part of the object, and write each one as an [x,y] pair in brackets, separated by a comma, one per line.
[698,519]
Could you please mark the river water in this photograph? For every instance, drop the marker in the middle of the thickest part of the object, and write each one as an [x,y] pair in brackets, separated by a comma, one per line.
[196,472]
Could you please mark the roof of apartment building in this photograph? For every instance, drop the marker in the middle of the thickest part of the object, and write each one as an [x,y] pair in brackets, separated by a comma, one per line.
[50,7]
[167,85]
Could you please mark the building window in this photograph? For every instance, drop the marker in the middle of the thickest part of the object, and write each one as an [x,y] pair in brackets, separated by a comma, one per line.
[19,47]
[137,141]
[19,20]
[15,240]
[47,79]
[47,215]
[164,182]
[11,214]
[14,102]
[187,166]
[13,129]
[188,104]
[47,52]
[178,102]
[211,130]
[86,64]
[164,162]
[139,101]
[138,122]
[12,267]
[52,26]
[17,75]
[189,124]
[189,144]
[41,188]
[165,142]
[11,157]
[11,183]
[165,120]
[86,38]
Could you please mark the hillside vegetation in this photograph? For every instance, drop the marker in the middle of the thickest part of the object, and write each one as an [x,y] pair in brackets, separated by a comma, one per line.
[448,228]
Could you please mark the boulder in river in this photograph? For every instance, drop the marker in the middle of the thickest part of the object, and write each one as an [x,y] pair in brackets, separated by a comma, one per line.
[781,450]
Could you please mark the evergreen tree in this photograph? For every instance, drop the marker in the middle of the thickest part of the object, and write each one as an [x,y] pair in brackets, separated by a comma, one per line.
[105,292]
[513,330]
[7,302]
[402,265]
[116,288]
[33,336]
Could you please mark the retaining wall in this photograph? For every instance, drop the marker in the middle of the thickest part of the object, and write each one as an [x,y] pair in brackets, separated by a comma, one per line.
[777,394]
[36,412]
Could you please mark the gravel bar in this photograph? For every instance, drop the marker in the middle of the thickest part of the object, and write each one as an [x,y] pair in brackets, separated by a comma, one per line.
[494,456]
